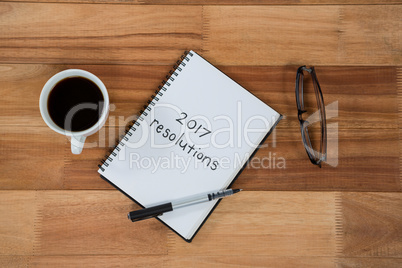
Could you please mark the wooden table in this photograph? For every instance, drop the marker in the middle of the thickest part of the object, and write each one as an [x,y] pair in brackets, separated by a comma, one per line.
[55,210]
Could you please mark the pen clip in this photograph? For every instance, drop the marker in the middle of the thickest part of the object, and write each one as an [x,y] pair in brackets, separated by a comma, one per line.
[150,212]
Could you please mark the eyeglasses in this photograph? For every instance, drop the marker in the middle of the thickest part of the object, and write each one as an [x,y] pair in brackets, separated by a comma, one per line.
[320,154]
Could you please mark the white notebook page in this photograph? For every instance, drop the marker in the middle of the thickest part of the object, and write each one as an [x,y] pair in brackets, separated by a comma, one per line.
[194,139]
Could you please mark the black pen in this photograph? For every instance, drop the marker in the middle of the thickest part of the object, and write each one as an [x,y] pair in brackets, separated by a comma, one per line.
[154,211]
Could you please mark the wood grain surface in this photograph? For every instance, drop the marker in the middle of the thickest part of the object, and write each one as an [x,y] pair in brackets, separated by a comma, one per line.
[272,228]
[223,2]
[151,34]
[56,211]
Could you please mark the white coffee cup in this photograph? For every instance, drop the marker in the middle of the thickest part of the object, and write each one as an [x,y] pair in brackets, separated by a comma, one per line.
[77,137]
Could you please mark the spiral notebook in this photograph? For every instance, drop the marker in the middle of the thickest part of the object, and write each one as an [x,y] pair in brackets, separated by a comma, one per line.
[195,136]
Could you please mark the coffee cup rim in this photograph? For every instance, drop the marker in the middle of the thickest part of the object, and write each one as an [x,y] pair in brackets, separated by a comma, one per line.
[47,88]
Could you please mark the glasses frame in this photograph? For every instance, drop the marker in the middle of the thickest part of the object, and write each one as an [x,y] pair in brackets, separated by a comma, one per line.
[315,157]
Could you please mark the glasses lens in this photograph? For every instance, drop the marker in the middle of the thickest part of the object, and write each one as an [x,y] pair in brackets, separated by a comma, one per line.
[312,140]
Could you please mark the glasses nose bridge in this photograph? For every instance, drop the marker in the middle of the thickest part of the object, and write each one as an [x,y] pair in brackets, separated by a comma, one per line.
[300,115]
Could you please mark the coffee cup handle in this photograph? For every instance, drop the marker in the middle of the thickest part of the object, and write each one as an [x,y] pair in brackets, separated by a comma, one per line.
[77,143]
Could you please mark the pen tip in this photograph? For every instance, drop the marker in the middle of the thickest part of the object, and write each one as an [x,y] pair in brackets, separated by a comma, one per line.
[128,216]
[237,190]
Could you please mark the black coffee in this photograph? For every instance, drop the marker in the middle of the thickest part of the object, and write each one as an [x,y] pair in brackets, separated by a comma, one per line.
[75,104]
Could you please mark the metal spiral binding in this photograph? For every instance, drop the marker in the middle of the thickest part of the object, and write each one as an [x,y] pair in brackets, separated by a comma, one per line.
[163,87]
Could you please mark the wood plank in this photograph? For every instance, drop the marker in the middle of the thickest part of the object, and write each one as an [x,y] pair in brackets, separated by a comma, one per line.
[223,2]
[75,223]
[363,228]
[251,261]
[65,33]
[367,123]
[283,261]
[371,225]
[99,261]
[17,223]
[370,262]
[253,228]
[151,34]
[21,86]
[266,223]
[14,261]
[315,35]
[94,223]
[32,158]
[194,261]
[360,103]
[399,86]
